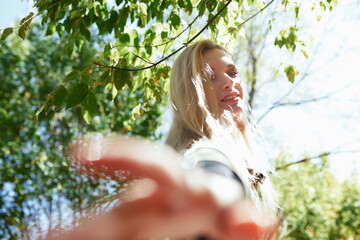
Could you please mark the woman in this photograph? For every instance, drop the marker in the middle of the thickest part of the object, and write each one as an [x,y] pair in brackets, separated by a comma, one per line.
[216,197]
[209,109]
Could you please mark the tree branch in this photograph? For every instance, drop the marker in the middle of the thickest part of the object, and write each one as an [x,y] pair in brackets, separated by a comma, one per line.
[324,154]
[307,72]
[164,43]
[282,104]
[142,58]
[252,77]
[185,44]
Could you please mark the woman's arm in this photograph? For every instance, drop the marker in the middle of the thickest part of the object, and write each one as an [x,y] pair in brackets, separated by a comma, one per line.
[168,201]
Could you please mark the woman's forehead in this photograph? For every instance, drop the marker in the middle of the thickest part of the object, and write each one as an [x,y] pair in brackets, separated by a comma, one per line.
[217,58]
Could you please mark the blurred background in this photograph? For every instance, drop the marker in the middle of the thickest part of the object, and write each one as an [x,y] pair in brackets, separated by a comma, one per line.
[311,127]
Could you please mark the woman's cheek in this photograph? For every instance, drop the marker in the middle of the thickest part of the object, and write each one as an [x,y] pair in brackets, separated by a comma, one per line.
[240,89]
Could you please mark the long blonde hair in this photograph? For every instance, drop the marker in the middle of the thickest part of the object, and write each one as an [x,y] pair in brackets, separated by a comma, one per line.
[197,118]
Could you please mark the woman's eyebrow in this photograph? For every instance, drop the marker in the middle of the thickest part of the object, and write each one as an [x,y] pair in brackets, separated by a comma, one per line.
[231,65]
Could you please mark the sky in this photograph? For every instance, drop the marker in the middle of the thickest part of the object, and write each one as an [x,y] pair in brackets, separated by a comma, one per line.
[328,125]
[13,10]
[331,124]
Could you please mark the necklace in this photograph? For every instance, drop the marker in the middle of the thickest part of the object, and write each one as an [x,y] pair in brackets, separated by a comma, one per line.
[256,178]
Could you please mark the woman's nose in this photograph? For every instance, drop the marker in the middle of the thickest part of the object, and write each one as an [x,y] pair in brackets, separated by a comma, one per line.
[228,82]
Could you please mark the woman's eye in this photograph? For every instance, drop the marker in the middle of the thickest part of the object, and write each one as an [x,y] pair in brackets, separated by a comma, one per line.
[233,73]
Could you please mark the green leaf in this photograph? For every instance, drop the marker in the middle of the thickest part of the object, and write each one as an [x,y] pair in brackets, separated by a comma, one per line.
[148,40]
[77,94]
[114,92]
[276,72]
[6,33]
[59,96]
[39,115]
[26,18]
[60,29]
[21,32]
[287,37]
[69,47]
[75,14]
[164,34]
[124,38]
[143,9]
[194,2]
[84,30]
[224,12]
[103,77]
[134,35]
[270,24]
[109,86]
[142,16]
[86,78]
[175,20]
[44,109]
[202,7]
[59,14]
[51,29]
[71,76]
[114,18]
[96,8]
[107,50]
[121,77]
[305,54]
[4,114]
[124,13]
[89,107]
[290,72]
[135,112]
[79,42]
[296,9]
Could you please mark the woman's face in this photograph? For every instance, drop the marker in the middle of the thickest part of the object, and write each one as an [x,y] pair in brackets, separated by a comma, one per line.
[225,80]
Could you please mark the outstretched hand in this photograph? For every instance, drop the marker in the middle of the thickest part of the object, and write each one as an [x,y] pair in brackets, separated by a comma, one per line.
[167,201]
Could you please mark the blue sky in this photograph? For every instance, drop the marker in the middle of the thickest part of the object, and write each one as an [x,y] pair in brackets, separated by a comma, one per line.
[13,10]
[331,124]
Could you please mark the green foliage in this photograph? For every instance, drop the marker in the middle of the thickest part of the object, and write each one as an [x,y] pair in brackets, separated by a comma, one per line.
[314,204]
[36,179]
[110,66]
[288,38]
[161,27]
[347,221]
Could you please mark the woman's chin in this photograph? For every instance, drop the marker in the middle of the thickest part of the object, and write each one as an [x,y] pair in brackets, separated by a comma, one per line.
[233,109]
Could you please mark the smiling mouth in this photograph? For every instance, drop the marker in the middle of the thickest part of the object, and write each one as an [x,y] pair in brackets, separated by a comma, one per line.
[229,98]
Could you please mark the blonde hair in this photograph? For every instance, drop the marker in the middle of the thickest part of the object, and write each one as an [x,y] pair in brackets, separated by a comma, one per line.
[197,119]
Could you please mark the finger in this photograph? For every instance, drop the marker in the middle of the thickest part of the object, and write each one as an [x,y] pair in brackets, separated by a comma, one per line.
[149,212]
[140,157]
[246,221]
[160,213]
